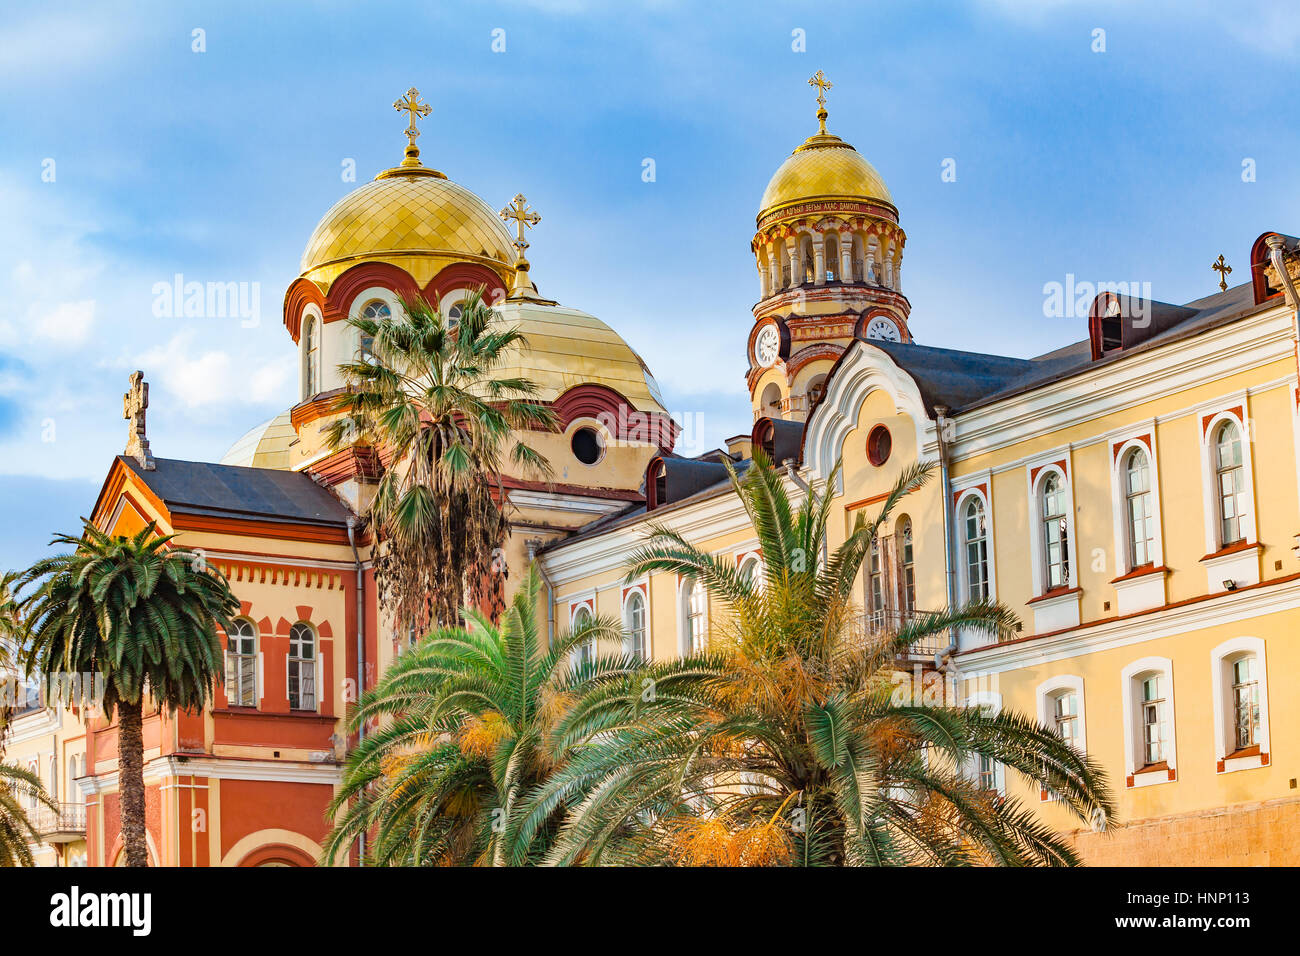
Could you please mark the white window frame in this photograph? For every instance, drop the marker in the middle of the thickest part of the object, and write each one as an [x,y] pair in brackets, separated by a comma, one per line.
[748,555]
[990,702]
[256,660]
[311,315]
[1222,657]
[1045,695]
[315,668]
[1209,473]
[963,498]
[684,614]
[578,605]
[639,589]
[1120,449]
[1131,688]
[1036,544]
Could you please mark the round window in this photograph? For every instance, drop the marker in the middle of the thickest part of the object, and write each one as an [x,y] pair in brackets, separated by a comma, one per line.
[587,446]
[879,445]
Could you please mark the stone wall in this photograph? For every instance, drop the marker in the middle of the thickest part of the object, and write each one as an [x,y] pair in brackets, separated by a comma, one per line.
[1247,834]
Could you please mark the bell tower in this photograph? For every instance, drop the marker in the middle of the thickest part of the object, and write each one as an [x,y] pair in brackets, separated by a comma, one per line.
[829,252]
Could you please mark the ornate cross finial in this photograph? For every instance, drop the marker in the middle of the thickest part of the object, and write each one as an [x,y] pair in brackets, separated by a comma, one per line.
[134,403]
[822,84]
[523,218]
[1223,269]
[415,110]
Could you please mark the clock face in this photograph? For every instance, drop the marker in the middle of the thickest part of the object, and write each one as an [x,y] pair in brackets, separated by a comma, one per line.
[882,328]
[767,347]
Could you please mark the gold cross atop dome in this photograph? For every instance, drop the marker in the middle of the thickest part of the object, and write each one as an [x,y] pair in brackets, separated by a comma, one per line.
[523,218]
[822,84]
[416,110]
[1223,269]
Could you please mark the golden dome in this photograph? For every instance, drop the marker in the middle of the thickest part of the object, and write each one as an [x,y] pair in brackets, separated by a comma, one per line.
[824,167]
[565,347]
[406,213]
[266,446]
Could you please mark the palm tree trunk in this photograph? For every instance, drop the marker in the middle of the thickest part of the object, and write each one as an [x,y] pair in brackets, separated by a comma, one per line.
[130,762]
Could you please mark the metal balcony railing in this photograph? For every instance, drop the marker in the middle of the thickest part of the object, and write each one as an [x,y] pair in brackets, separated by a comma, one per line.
[892,620]
[65,825]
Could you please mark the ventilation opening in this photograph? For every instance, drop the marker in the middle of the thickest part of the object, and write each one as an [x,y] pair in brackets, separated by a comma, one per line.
[1112,333]
[586,446]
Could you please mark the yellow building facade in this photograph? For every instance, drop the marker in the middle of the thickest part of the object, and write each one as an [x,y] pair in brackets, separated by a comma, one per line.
[1133,497]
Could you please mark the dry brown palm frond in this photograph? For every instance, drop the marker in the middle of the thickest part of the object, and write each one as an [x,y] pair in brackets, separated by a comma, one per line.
[480,735]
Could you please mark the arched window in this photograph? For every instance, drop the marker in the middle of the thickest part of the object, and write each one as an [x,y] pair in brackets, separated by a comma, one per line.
[771,401]
[1065,717]
[749,570]
[816,389]
[76,768]
[310,350]
[376,311]
[241,664]
[906,565]
[877,584]
[302,667]
[1138,513]
[584,653]
[1152,719]
[1245,701]
[831,259]
[1240,696]
[1056,556]
[695,601]
[975,533]
[1230,484]
[634,625]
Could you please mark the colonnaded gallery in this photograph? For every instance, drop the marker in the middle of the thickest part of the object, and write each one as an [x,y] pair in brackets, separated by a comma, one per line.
[1134,497]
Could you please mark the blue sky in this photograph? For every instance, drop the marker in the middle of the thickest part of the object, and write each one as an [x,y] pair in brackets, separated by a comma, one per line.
[1122,165]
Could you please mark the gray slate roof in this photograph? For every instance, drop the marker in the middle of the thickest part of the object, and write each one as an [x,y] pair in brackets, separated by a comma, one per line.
[233,491]
[966,380]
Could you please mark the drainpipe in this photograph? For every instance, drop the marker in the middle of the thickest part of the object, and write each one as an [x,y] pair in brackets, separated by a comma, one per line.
[941,421]
[793,474]
[1276,244]
[533,544]
[353,524]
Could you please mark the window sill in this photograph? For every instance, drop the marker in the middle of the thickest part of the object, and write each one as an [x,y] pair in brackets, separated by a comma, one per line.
[1248,758]
[1151,775]
[1239,548]
[1142,572]
[1054,594]
[258,712]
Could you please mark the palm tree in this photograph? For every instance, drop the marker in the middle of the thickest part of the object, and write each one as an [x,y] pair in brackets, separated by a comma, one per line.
[787,742]
[12,638]
[142,617]
[467,714]
[17,831]
[427,394]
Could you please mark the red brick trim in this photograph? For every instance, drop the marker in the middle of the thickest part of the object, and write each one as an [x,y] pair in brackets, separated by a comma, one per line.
[1140,573]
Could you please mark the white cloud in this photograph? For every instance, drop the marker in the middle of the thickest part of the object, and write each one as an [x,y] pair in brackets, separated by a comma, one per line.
[68,323]
[213,377]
